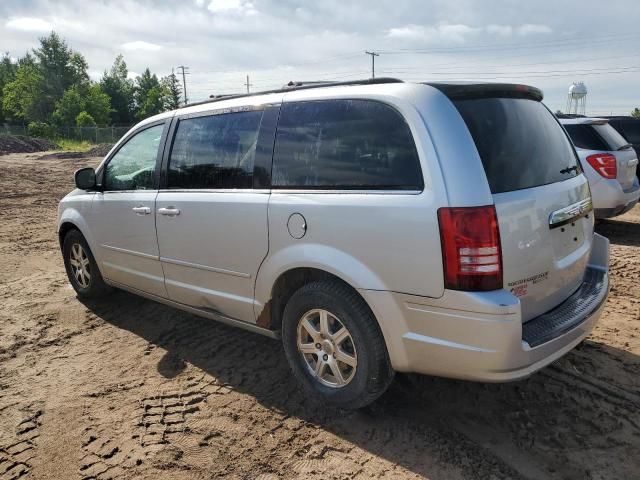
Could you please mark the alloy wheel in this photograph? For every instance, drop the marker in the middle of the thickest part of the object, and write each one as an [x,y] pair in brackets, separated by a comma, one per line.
[327,348]
[80,267]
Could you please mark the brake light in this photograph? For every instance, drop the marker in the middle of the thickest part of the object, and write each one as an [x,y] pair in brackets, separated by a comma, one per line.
[471,248]
[605,164]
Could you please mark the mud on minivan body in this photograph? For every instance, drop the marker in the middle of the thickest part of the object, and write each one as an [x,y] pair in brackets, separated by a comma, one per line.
[376,227]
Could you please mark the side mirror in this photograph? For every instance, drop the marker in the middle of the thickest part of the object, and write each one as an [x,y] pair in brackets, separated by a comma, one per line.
[85,178]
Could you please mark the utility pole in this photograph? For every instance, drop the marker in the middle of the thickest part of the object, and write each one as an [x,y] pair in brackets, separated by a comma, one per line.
[184,81]
[373,62]
[248,84]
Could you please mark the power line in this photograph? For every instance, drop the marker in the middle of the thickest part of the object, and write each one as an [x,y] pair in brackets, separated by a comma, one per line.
[521,45]
[373,62]
[576,71]
[184,81]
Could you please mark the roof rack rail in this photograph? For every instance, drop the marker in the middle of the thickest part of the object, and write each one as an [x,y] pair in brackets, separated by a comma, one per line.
[291,86]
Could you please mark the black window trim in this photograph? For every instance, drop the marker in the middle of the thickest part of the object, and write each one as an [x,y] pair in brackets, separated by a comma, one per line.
[266,143]
[159,155]
[322,189]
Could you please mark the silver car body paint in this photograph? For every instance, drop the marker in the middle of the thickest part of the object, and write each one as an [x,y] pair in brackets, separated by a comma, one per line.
[221,256]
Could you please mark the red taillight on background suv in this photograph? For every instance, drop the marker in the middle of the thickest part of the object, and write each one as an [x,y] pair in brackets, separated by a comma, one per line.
[605,164]
[471,248]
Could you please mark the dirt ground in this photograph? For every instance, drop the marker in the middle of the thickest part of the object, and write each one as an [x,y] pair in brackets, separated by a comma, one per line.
[128,388]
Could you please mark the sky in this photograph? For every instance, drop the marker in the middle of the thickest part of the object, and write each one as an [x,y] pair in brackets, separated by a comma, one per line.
[546,43]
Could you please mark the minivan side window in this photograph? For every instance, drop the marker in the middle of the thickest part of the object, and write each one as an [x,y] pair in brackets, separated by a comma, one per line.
[344,144]
[133,166]
[214,151]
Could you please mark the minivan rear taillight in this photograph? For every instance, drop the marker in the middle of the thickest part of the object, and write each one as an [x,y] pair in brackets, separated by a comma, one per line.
[470,248]
[605,164]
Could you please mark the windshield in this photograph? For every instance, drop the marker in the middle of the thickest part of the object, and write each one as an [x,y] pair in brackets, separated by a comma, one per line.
[519,141]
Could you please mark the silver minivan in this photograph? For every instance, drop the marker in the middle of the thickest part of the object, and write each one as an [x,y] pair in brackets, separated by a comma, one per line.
[373,226]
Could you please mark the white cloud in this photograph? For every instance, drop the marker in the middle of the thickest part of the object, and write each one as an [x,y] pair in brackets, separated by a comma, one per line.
[533,29]
[445,32]
[502,30]
[141,46]
[232,6]
[29,24]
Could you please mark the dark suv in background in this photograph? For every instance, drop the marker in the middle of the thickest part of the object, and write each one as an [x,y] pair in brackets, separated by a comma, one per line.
[629,128]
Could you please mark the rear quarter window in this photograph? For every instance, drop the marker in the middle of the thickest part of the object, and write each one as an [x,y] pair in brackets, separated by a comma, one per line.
[610,136]
[344,144]
[585,136]
[520,142]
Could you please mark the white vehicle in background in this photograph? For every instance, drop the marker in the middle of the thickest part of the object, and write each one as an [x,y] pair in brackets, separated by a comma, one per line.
[609,163]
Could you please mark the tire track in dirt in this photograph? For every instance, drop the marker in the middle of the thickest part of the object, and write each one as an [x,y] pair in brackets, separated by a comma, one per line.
[17,454]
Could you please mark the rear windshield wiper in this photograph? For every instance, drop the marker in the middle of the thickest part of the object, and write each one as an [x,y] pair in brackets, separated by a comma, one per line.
[624,147]
[569,169]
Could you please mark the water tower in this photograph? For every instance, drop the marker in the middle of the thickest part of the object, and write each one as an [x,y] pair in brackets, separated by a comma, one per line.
[577,98]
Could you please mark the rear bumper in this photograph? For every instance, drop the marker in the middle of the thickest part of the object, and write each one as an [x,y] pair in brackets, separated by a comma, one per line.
[480,336]
[610,200]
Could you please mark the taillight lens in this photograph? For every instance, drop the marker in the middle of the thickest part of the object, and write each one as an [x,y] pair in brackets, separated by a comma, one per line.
[471,248]
[605,164]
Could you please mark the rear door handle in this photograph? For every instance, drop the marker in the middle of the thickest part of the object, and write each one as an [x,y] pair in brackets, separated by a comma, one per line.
[142,210]
[633,162]
[170,211]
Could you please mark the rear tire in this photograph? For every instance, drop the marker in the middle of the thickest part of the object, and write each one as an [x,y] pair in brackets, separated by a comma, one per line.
[81,267]
[345,363]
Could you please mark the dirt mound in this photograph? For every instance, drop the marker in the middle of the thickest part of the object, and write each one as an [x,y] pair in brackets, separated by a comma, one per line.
[23,144]
[62,155]
[100,150]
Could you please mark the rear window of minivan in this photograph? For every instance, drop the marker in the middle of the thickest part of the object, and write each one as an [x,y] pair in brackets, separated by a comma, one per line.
[520,142]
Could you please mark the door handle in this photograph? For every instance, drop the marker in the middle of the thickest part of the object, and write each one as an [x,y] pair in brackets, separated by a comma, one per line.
[169,211]
[142,210]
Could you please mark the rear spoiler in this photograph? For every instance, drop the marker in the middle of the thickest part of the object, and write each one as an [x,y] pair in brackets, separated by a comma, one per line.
[464,91]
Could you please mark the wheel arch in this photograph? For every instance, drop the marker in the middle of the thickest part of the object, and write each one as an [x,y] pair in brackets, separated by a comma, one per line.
[290,281]
[72,219]
[66,227]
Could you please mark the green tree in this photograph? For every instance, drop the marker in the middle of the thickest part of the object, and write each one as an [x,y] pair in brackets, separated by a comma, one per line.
[85,120]
[98,104]
[120,90]
[149,95]
[153,103]
[69,106]
[172,92]
[60,67]
[636,113]
[22,98]
[7,74]
[79,98]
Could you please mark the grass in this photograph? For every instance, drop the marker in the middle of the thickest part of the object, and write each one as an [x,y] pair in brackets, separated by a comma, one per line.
[74,145]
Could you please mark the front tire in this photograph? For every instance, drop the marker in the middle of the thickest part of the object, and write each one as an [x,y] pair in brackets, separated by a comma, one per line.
[81,267]
[334,345]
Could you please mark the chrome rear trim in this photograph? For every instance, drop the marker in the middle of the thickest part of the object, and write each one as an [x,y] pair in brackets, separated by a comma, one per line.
[571,213]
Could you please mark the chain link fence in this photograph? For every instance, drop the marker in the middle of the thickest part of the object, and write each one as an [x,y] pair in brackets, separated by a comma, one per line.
[90,134]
